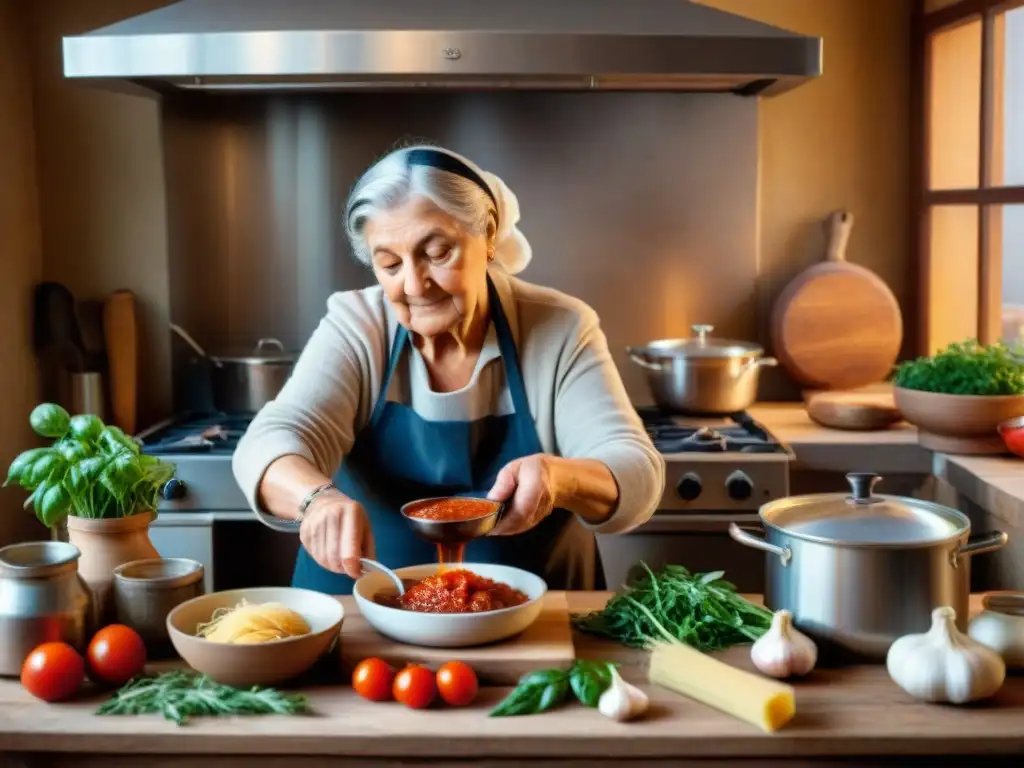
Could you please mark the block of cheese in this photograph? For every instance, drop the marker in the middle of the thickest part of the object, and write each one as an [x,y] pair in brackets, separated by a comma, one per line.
[766,703]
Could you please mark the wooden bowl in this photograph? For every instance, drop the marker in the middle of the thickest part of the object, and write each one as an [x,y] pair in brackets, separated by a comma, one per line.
[854,411]
[267,663]
[965,424]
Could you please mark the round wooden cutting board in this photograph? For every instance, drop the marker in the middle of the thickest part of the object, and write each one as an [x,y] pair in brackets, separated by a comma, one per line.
[837,325]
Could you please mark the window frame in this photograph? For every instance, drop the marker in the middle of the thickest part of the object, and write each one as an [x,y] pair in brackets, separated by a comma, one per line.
[986,196]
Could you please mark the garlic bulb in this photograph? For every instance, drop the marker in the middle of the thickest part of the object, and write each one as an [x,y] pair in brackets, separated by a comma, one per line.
[944,664]
[622,701]
[784,651]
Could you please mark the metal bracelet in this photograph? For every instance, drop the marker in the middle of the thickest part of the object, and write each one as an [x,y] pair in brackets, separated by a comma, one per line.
[310,497]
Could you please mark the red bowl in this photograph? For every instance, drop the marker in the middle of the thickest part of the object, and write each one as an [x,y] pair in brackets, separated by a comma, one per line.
[1012,432]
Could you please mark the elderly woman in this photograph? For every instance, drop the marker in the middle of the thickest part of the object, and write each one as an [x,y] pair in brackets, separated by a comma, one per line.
[448,377]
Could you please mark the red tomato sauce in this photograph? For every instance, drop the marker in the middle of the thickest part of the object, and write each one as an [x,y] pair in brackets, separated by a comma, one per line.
[451,510]
[455,591]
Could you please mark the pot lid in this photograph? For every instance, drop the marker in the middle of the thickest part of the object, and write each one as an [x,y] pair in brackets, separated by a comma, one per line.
[265,351]
[703,345]
[865,518]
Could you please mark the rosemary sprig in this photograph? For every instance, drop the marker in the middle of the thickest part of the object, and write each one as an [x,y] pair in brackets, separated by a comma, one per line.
[182,695]
[701,610]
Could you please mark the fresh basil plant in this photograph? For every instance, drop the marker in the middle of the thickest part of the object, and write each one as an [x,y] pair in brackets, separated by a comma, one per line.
[90,470]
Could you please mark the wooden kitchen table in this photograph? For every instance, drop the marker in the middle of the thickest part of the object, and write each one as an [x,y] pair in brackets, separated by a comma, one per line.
[849,713]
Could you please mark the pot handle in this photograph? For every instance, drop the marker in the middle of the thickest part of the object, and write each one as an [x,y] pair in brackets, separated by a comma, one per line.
[640,358]
[748,539]
[987,542]
[269,344]
[760,362]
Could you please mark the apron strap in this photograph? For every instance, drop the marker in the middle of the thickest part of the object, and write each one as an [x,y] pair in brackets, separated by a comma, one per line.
[397,348]
[509,354]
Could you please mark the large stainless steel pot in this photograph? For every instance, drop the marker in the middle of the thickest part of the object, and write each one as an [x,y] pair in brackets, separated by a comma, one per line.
[243,381]
[858,571]
[42,598]
[702,375]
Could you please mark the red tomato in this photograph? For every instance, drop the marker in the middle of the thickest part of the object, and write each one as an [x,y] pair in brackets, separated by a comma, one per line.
[457,683]
[53,672]
[1014,439]
[116,655]
[415,687]
[373,678]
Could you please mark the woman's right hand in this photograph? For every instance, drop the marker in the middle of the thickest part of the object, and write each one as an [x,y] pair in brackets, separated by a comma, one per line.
[336,533]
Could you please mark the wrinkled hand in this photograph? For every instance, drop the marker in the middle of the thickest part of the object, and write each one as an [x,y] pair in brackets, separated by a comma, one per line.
[530,487]
[336,533]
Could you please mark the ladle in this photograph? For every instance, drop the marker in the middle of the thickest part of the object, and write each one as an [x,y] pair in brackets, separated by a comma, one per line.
[451,536]
[373,565]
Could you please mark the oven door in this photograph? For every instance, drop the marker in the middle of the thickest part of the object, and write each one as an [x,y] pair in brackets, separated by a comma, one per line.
[698,541]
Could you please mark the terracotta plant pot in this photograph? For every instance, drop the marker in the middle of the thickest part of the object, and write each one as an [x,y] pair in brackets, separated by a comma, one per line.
[964,424]
[106,544]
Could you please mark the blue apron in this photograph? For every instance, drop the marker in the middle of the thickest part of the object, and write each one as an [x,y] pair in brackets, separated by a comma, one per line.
[400,457]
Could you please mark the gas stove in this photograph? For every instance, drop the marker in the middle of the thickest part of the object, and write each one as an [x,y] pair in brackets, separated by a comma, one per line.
[717,465]
[718,472]
[200,446]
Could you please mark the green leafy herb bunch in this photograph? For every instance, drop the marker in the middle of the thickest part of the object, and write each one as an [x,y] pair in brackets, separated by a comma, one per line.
[965,368]
[90,470]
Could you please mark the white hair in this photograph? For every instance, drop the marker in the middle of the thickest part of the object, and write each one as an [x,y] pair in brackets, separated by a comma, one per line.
[392,181]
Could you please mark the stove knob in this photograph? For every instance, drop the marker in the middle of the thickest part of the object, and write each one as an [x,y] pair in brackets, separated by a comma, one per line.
[689,486]
[739,486]
[174,490]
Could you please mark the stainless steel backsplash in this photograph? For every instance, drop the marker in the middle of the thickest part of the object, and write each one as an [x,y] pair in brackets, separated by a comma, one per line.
[642,205]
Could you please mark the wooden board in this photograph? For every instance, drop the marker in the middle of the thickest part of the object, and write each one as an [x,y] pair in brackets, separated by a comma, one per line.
[853,410]
[121,336]
[837,325]
[545,643]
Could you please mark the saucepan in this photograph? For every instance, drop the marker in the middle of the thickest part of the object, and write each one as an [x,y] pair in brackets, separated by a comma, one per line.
[702,375]
[243,381]
[859,570]
[453,519]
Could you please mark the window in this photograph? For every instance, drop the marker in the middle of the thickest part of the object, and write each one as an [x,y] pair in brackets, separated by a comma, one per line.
[970,171]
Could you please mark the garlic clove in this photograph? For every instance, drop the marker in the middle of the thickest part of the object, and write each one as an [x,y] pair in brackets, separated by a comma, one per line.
[622,701]
[784,651]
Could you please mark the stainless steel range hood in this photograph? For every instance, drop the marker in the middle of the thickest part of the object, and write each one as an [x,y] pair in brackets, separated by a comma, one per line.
[480,44]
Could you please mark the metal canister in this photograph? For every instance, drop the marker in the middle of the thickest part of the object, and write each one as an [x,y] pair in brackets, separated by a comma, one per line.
[42,599]
[145,591]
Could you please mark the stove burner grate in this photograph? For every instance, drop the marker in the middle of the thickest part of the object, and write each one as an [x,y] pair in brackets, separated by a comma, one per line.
[738,434]
[216,433]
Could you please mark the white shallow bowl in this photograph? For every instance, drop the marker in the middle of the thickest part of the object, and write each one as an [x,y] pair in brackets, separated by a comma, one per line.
[451,630]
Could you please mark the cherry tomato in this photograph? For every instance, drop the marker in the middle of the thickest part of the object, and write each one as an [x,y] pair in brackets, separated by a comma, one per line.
[116,655]
[457,683]
[415,687]
[373,678]
[53,672]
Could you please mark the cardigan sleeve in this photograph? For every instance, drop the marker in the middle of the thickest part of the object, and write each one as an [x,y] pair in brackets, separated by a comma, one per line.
[318,411]
[595,419]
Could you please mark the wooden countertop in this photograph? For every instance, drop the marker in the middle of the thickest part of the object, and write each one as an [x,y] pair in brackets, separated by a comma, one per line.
[856,711]
[819,448]
[995,483]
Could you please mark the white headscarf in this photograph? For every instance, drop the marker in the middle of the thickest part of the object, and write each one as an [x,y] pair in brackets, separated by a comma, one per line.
[512,250]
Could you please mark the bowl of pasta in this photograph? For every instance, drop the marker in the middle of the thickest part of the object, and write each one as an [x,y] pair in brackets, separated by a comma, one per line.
[257,636]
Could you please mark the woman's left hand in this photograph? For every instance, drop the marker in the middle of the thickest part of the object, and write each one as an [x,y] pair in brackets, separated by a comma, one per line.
[530,487]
